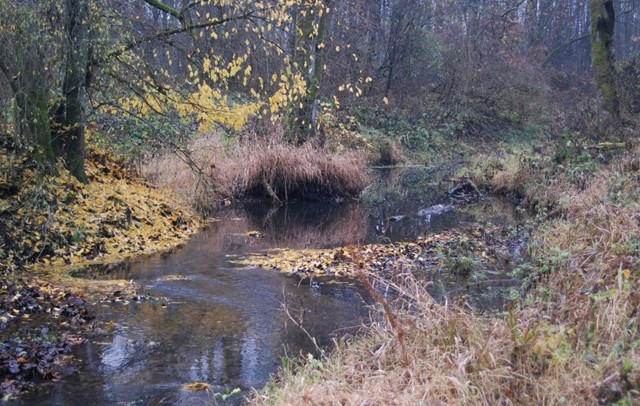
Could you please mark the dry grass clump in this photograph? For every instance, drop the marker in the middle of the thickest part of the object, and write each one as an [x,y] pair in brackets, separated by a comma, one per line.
[282,172]
[213,169]
[387,153]
[500,173]
[539,179]
[454,357]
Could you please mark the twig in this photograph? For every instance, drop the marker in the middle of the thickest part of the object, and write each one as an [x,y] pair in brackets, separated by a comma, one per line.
[299,323]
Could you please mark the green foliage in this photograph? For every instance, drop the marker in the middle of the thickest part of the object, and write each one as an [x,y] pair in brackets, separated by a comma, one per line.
[460,264]
[419,138]
[227,393]
[77,236]
[553,260]
[522,270]
[69,197]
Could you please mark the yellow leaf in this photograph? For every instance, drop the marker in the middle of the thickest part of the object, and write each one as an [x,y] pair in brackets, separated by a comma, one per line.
[198,386]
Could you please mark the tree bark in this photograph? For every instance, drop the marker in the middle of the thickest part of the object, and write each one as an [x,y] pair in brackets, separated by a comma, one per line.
[26,76]
[602,55]
[32,112]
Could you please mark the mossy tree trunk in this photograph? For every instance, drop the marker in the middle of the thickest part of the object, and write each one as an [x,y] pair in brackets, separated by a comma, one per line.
[602,56]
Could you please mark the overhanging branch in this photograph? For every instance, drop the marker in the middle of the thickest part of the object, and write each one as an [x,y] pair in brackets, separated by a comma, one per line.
[169,33]
[561,48]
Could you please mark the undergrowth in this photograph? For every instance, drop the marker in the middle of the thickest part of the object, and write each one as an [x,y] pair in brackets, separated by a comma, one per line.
[444,355]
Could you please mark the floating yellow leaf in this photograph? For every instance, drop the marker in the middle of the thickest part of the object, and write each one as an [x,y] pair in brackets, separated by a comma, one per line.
[197,386]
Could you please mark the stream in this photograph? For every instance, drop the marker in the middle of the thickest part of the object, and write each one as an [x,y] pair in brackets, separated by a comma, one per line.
[225,326]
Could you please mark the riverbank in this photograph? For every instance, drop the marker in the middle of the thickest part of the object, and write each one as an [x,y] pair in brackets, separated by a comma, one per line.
[572,337]
[52,226]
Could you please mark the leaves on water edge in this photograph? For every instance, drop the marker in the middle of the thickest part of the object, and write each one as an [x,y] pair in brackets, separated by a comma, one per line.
[49,222]
[432,252]
[254,234]
[170,278]
[34,348]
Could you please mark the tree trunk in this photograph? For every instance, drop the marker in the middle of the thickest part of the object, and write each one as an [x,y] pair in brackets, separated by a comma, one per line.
[602,56]
[69,116]
[302,120]
[27,78]
[32,119]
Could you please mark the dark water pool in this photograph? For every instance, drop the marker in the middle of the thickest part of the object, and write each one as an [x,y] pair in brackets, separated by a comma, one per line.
[225,326]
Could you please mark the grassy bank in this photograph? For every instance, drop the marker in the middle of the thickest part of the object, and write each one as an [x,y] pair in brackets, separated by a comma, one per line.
[572,338]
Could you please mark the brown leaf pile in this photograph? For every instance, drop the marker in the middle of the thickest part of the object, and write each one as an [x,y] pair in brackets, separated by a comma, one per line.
[36,325]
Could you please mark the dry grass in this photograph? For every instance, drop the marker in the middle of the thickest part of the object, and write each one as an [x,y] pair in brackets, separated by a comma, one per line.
[283,172]
[455,357]
[258,167]
[175,171]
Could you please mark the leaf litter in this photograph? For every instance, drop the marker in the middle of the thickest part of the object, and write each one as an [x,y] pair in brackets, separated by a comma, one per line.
[56,220]
[431,253]
[38,325]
